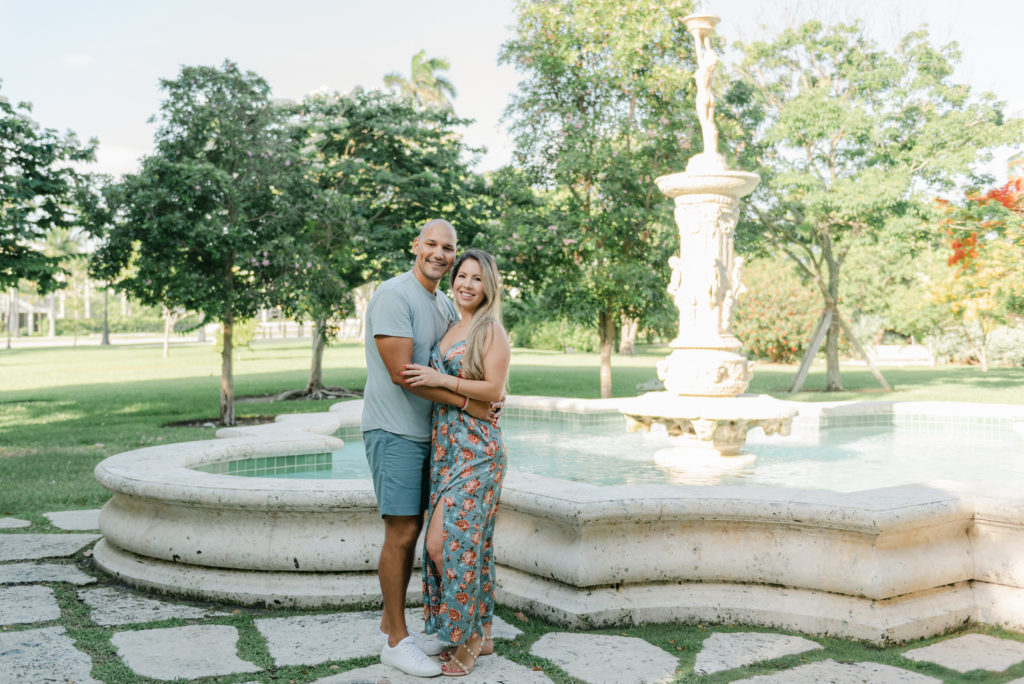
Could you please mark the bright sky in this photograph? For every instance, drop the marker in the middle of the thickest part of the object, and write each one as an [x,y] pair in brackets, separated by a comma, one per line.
[93,67]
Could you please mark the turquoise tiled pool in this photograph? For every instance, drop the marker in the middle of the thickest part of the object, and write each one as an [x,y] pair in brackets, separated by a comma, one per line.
[840,453]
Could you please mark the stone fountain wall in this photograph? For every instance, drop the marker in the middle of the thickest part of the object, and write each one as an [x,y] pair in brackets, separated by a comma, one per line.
[882,565]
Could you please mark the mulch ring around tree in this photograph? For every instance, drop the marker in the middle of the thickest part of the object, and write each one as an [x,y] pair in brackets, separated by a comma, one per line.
[215,422]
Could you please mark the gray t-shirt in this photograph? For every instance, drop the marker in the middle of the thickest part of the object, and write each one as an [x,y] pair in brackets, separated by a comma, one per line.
[402,307]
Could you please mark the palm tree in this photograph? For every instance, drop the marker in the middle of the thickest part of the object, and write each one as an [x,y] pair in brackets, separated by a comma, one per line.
[67,244]
[426,88]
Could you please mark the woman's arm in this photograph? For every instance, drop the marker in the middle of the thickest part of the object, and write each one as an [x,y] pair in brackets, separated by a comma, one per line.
[497,355]
[396,353]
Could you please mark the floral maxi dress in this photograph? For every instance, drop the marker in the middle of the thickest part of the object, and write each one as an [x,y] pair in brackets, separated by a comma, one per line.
[466,470]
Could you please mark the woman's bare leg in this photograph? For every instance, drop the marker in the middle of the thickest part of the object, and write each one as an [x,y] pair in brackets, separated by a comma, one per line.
[435,537]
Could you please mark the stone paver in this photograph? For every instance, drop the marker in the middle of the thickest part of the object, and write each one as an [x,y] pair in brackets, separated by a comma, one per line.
[489,670]
[31,603]
[726,650]
[110,606]
[186,652]
[345,635]
[971,652]
[20,573]
[43,655]
[598,658]
[33,546]
[503,630]
[10,523]
[341,636]
[75,520]
[842,673]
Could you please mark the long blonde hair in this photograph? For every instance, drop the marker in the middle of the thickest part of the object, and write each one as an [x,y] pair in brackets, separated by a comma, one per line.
[488,312]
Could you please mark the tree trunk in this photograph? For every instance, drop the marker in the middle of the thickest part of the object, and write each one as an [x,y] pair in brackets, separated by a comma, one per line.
[316,374]
[168,326]
[227,389]
[606,325]
[833,383]
[983,357]
[105,337]
[12,313]
[52,301]
[88,299]
[627,341]
[201,330]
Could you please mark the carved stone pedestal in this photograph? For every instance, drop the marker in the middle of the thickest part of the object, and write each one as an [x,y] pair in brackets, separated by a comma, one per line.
[705,373]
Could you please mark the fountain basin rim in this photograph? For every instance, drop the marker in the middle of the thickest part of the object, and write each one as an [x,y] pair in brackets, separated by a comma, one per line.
[165,473]
[731,183]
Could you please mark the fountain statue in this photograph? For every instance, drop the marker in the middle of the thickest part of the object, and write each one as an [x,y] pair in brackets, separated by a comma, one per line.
[705,374]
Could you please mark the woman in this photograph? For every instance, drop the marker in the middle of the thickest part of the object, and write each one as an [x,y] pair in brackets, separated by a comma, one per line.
[467,466]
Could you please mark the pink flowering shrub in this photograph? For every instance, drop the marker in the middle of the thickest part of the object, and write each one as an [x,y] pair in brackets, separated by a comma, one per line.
[776,314]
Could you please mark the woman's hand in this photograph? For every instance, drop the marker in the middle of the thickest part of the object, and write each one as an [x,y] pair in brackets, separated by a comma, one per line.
[423,376]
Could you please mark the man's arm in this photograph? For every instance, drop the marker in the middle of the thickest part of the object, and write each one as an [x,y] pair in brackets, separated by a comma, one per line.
[396,353]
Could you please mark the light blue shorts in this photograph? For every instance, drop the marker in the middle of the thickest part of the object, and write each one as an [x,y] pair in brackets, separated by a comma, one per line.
[401,472]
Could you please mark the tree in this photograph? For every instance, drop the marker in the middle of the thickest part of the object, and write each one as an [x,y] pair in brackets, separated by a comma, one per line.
[600,114]
[378,168]
[425,86]
[850,140]
[984,287]
[208,223]
[38,181]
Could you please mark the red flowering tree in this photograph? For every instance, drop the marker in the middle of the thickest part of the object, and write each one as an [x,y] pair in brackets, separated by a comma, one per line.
[984,288]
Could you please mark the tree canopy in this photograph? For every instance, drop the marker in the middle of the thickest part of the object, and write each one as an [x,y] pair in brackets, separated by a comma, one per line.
[208,224]
[852,143]
[425,86]
[377,169]
[38,183]
[601,112]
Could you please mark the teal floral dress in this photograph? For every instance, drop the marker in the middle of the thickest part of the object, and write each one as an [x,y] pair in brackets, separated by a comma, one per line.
[466,470]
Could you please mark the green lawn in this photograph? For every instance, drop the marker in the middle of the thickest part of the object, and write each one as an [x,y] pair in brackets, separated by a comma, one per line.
[63,410]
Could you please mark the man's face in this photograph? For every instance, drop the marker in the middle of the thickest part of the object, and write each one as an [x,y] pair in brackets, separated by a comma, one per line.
[435,251]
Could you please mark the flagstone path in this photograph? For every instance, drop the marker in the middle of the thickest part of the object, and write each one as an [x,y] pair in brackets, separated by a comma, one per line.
[42,571]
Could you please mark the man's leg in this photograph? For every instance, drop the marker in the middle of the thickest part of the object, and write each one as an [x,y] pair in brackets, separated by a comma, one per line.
[395,571]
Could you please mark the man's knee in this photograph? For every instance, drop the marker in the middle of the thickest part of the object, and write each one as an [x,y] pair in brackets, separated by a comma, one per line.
[402,530]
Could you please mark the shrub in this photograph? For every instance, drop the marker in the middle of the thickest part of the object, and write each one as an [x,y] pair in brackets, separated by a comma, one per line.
[776,313]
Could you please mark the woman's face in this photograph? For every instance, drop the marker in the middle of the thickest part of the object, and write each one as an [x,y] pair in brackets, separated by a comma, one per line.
[469,286]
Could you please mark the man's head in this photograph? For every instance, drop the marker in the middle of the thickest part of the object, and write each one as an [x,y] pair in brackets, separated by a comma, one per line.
[434,250]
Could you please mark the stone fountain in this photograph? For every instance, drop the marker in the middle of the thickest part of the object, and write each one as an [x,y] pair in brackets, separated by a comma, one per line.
[705,376]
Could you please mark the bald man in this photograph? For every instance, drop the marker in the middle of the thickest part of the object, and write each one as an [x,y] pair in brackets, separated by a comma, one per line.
[405,318]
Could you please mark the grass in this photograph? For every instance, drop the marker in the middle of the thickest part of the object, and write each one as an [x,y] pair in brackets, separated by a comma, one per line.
[62,410]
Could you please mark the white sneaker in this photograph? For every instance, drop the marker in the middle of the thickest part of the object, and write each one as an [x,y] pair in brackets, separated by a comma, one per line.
[407,657]
[428,643]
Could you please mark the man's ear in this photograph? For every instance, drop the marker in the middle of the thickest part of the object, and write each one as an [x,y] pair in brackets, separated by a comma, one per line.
[415,244]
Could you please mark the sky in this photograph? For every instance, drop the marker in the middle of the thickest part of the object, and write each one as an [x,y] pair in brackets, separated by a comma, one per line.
[94,67]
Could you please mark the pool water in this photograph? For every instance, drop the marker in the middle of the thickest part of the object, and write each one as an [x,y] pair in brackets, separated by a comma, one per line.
[838,458]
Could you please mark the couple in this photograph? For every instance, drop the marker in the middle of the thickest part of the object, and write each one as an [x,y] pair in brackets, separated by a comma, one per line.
[433,391]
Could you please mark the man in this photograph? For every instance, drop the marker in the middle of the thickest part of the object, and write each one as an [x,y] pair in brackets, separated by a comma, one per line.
[405,318]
